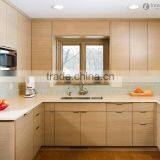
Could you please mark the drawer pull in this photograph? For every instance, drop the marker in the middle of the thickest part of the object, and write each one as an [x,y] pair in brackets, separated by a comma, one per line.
[26,114]
[143,124]
[76,112]
[37,128]
[37,114]
[143,112]
[51,111]
[119,112]
[83,112]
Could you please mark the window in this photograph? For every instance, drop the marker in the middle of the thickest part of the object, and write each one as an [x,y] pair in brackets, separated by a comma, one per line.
[88,56]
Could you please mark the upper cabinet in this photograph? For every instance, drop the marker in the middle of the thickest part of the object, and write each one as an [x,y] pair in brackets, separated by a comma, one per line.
[24,42]
[41,45]
[138,45]
[80,28]
[153,45]
[11,29]
[3,23]
[119,53]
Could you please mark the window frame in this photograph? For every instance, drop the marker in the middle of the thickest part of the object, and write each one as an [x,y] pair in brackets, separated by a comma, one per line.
[82,42]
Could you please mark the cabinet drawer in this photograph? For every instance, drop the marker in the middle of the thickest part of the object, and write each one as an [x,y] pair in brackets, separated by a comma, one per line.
[143,117]
[143,106]
[80,107]
[143,135]
[49,107]
[119,107]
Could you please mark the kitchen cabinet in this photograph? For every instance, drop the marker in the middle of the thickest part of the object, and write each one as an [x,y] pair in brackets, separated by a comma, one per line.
[7,140]
[153,45]
[12,27]
[138,45]
[24,43]
[158,126]
[67,128]
[119,41]
[80,124]
[119,128]
[93,128]
[41,45]
[143,124]
[3,23]
[38,128]
[49,123]
[24,137]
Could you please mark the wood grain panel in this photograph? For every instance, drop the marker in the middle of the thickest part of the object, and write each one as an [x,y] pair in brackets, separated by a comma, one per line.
[119,129]
[138,45]
[80,107]
[67,129]
[153,45]
[93,129]
[119,107]
[7,140]
[119,54]
[80,28]
[3,23]
[143,135]
[143,107]
[24,137]
[41,45]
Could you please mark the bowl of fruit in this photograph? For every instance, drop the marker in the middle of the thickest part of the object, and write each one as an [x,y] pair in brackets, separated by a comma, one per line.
[3,104]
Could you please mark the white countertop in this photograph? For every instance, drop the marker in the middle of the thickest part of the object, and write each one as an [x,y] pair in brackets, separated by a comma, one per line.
[20,105]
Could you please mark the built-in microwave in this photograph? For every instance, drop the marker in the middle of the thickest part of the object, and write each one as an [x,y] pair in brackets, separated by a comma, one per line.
[8,59]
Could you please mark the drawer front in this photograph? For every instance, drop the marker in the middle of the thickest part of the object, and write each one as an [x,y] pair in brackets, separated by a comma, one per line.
[37,139]
[80,107]
[37,116]
[49,107]
[119,107]
[143,135]
[143,106]
[143,117]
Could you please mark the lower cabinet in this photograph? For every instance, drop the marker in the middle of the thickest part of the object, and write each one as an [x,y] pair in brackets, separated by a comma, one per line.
[119,128]
[80,124]
[24,137]
[158,126]
[143,124]
[49,124]
[93,128]
[67,128]
[38,128]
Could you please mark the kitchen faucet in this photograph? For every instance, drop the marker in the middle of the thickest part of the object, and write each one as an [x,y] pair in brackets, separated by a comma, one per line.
[82,90]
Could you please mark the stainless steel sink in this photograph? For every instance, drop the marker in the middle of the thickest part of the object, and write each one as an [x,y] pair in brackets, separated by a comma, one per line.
[83,98]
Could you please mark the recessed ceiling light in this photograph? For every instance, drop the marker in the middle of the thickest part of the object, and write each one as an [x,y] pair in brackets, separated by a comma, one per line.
[133,6]
[57,6]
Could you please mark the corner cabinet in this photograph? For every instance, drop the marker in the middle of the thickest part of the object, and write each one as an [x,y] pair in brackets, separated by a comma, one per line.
[24,137]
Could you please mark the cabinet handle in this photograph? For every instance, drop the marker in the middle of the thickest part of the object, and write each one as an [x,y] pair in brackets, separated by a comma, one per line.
[119,112]
[37,128]
[84,112]
[26,114]
[51,111]
[76,112]
[37,114]
[143,112]
[143,124]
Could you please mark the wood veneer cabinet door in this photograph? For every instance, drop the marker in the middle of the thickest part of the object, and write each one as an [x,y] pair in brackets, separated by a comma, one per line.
[41,45]
[158,128]
[3,23]
[119,128]
[24,137]
[143,135]
[119,54]
[67,128]
[93,128]
[7,140]
[49,124]
[153,45]
[138,45]
[12,25]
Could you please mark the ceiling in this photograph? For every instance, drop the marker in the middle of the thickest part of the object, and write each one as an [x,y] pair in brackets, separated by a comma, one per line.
[86,8]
